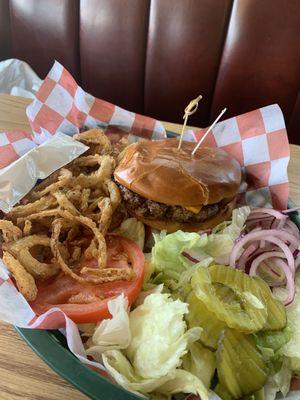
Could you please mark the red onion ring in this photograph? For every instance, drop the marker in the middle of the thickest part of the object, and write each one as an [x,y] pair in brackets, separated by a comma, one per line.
[290,210]
[290,283]
[285,249]
[276,244]
[262,257]
[291,227]
[245,255]
[189,257]
[269,211]
[262,244]
[259,216]
[269,263]
[261,235]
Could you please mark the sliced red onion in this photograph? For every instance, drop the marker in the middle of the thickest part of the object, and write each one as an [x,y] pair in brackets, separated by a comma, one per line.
[269,266]
[269,211]
[288,254]
[267,215]
[261,235]
[271,263]
[256,229]
[262,257]
[253,226]
[208,231]
[293,249]
[189,257]
[245,255]
[290,210]
[275,245]
[290,284]
[281,224]
[259,216]
[262,244]
[291,227]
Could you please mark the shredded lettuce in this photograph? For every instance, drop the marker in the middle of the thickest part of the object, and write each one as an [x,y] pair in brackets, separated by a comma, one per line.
[270,345]
[132,229]
[292,348]
[171,264]
[279,382]
[274,340]
[235,227]
[167,252]
[285,345]
[111,333]
[177,381]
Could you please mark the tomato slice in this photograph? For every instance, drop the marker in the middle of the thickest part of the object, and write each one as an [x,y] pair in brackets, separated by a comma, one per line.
[87,302]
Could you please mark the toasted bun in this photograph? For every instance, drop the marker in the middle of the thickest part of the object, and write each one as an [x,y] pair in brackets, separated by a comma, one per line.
[173,226]
[158,171]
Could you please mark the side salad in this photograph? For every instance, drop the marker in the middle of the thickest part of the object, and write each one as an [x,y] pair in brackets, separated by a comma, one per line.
[218,316]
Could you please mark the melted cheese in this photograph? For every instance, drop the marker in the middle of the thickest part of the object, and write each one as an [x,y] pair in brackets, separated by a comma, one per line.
[194,210]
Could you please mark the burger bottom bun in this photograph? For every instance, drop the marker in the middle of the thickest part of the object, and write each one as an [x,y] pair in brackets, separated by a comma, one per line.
[173,226]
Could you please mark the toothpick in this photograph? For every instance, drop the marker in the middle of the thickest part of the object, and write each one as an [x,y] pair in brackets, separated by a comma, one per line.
[208,130]
[189,110]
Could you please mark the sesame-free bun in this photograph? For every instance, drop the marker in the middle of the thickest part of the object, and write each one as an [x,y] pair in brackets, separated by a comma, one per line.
[158,171]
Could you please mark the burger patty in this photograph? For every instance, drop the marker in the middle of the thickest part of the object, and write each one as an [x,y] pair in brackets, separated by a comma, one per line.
[153,210]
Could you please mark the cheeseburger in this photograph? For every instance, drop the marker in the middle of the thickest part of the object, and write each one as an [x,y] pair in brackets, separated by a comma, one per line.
[172,189]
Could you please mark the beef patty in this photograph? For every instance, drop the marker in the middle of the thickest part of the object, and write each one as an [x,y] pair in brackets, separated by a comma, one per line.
[153,210]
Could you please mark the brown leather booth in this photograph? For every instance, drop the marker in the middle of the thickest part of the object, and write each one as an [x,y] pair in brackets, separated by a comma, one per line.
[153,56]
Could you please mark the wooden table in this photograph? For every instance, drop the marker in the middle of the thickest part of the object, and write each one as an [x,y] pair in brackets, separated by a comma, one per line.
[23,375]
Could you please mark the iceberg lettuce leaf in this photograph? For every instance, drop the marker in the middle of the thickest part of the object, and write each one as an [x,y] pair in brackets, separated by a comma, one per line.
[175,253]
[159,335]
[152,361]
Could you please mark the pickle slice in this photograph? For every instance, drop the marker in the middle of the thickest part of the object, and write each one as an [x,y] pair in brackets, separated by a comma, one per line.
[200,315]
[234,297]
[276,311]
[240,366]
[260,395]
[222,392]
[201,362]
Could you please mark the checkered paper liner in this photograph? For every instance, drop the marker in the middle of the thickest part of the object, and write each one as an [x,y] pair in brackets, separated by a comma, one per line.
[258,140]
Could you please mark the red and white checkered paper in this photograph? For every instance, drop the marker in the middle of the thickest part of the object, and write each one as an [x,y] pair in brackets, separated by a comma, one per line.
[258,140]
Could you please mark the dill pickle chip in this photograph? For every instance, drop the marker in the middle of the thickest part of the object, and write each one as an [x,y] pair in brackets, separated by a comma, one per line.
[200,315]
[222,392]
[234,297]
[201,362]
[240,366]
[276,311]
